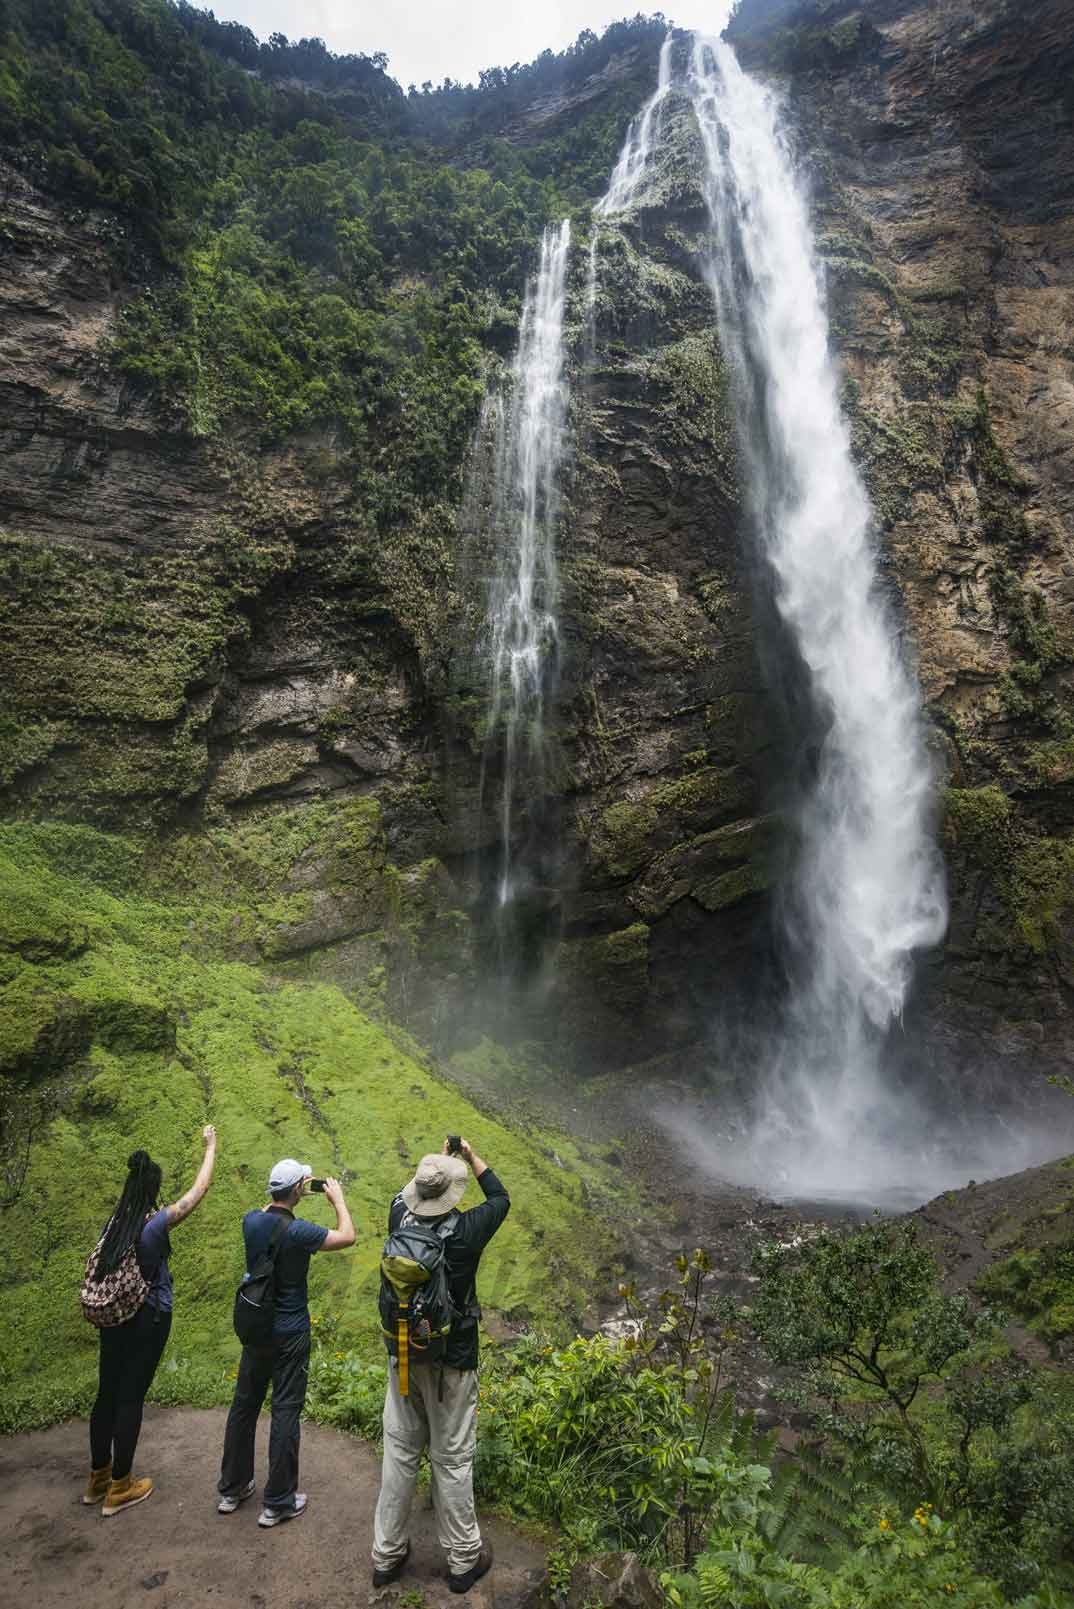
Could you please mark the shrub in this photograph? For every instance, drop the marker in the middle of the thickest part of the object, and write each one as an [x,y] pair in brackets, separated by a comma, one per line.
[584,1428]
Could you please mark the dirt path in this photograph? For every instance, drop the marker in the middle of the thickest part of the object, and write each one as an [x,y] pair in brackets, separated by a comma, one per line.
[176,1550]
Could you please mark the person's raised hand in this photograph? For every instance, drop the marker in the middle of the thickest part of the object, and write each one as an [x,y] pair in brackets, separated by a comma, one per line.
[208,1134]
[334,1191]
[466,1151]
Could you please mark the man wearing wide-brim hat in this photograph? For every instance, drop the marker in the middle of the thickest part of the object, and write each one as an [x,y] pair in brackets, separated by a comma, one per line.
[439,1408]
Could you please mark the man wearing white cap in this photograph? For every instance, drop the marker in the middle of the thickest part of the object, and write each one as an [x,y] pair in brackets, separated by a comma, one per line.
[285,1360]
[436,1406]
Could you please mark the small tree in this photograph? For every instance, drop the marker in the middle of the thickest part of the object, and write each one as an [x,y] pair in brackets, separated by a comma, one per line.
[687,1333]
[864,1314]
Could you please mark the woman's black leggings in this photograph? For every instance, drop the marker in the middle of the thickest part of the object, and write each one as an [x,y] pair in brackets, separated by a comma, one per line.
[129,1356]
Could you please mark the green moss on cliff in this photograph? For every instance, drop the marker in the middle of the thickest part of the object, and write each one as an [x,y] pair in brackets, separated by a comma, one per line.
[1032,874]
[980,822]
[620,841]
[613,969]
[165,1032]
[897,455]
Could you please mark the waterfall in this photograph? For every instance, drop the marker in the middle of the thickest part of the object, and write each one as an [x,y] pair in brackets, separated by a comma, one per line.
[522,631]
[630,169]
[591,288]
[868,890]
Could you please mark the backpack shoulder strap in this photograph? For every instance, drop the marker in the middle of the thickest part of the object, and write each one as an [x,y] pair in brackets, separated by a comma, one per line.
[446,1229]
[279,1235]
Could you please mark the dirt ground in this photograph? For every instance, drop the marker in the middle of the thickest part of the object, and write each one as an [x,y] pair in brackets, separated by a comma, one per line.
[174,1549]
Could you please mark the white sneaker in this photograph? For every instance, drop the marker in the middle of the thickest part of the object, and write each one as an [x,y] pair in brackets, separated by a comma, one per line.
[228,1504]
[276,1516]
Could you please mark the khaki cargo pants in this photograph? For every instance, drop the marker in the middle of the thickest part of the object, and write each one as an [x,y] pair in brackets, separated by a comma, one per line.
[448,1428]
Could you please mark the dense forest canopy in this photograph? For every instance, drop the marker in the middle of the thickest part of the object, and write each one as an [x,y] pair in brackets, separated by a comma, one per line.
[317,245]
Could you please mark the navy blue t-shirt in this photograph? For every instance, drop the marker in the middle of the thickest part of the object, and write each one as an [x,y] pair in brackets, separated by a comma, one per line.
[152,1250]
[292,1263]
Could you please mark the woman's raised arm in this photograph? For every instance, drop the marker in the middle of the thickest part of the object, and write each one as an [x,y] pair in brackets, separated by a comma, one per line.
[189,1200]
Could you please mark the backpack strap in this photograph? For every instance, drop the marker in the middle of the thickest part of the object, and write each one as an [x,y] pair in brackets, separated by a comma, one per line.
[278,1236]
[443,1230]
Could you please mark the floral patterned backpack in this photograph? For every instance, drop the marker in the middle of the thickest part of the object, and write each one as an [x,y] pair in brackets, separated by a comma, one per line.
[115,1297]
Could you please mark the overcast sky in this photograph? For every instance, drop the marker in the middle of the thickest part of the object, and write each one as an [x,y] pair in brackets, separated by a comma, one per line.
[441,39]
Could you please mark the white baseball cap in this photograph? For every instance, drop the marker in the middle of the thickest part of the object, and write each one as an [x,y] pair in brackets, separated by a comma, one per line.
[286,1174]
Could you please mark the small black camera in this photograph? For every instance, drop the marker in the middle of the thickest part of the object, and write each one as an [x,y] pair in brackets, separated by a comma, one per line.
[454,1144]
[317,1185]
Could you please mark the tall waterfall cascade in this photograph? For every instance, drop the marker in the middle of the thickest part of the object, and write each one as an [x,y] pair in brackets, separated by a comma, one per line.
[868,891]
[522,632]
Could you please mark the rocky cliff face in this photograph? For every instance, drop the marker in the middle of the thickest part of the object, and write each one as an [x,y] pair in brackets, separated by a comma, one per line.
[199,635]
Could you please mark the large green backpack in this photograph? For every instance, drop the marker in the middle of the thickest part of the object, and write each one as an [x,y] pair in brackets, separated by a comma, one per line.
[416,1306]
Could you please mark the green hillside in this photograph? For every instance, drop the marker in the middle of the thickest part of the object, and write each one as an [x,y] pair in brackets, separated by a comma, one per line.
[125,1022]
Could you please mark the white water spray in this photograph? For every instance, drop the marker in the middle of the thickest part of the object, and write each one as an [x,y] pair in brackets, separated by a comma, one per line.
[629,171]
[522,625]
[869,888]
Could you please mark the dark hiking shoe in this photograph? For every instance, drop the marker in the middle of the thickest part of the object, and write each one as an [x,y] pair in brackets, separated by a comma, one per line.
[384,1578]
[231,1500]
[470,1577]
[269,1517]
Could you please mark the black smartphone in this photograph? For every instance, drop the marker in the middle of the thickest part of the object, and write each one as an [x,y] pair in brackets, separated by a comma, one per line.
[317,1185]
[454,1144]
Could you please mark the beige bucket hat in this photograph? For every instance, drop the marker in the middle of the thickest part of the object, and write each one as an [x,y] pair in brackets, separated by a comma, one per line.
[438,1185]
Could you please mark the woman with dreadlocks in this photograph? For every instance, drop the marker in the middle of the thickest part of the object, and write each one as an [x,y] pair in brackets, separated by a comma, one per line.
[130,1352]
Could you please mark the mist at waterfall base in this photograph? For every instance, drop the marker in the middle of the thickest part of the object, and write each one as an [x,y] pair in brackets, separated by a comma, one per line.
[834,1111]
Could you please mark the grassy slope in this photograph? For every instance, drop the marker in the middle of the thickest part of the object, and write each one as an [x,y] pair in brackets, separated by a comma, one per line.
[123,1011]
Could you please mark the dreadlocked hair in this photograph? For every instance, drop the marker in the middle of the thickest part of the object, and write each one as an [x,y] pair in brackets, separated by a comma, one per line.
[139,1198]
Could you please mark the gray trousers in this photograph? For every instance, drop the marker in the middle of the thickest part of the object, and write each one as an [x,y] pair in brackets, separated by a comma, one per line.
[448,1429]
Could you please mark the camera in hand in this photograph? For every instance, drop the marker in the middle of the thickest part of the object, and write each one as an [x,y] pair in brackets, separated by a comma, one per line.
[454,1144]
[317,1185]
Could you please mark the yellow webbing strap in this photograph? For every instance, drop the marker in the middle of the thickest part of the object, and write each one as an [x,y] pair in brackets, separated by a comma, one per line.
[404,1351]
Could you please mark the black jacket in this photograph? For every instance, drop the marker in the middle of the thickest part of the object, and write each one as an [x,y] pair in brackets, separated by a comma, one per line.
[462,1253]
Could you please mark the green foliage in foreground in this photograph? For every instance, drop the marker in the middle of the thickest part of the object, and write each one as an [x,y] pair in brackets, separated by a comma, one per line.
[918,1394]
[124,1022]
[898,1564]
[613,1444]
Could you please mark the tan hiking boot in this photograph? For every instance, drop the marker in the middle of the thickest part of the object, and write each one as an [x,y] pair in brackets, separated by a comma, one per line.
[126,1492]
[97,1487]
[99,1482]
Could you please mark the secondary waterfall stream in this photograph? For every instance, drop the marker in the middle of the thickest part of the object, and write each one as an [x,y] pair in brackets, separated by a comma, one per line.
[630,169]
[628,177]
[868,891]
[522,630]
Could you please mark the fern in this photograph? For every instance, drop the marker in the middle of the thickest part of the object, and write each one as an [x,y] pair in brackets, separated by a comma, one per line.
[811,1502]
[714,1583]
